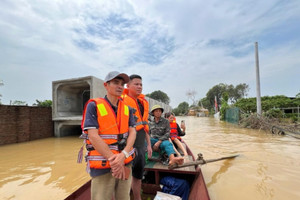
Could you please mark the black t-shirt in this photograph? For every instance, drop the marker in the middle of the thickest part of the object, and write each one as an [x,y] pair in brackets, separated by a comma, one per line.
[141,107]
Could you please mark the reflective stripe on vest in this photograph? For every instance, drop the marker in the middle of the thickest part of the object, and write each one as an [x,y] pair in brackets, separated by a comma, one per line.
[103,111]
[142,122]
[102,158]
[116,137]
[111,147]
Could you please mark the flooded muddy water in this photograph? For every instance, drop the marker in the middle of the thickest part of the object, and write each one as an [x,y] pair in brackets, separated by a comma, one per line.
[268,166]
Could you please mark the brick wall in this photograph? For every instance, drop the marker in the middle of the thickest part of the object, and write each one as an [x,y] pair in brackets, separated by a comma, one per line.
[24,123]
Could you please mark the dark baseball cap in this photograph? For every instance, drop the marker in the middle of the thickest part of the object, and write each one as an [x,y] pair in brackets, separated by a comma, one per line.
[114,74]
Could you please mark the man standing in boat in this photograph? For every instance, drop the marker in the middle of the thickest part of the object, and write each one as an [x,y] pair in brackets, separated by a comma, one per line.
[133,97]
[160,134]
[109,130]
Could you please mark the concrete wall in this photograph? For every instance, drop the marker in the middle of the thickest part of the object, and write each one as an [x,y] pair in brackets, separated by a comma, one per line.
[69,97]
[153,102]
[24,123]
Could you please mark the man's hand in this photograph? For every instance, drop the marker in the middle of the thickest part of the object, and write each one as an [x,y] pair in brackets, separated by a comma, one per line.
[149,150]
[156,145]
[117,165]
[182,126]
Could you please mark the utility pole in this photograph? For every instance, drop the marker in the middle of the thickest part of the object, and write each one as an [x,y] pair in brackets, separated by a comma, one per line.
[258,99]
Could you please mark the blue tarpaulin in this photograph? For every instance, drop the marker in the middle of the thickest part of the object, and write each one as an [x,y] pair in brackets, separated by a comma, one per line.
[175,186]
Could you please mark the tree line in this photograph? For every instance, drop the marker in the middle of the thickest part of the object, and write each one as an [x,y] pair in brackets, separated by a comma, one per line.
[230,96]
[221,93]
[217,93]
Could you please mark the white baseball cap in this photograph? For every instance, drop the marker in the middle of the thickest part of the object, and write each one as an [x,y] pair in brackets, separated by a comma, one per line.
[115,74]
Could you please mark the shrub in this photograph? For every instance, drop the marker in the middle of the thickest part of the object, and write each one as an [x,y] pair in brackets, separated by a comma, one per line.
[275,113]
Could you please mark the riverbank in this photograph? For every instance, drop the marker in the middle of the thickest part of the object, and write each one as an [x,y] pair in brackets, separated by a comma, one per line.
[273,125]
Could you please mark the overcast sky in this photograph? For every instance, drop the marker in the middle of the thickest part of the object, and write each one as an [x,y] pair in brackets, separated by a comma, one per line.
[176,46]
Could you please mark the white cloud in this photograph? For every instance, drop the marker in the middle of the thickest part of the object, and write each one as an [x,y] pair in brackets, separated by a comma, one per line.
[175,46]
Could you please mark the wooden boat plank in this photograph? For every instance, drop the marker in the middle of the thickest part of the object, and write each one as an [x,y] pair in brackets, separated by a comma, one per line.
[84,192]
[152,165]
[192,174]
[198,189]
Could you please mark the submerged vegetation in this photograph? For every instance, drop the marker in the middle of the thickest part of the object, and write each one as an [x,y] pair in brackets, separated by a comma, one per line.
[280,114]
[274,125]
[267,103]
[280,107]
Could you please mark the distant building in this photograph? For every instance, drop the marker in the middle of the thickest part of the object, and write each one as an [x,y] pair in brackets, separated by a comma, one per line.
[202,112]
[199,112]
[191,112]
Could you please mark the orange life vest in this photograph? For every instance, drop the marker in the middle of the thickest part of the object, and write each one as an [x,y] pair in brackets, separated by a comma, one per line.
[111,129]
[173,130]
[142,121]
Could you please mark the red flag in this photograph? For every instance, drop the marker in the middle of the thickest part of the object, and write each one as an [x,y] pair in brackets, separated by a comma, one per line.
[216,104]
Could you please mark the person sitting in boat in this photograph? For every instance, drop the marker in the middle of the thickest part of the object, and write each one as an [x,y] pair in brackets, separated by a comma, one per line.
[176,132]
[159,130]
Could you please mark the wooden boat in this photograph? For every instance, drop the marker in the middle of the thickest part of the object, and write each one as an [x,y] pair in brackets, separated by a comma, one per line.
[154,171]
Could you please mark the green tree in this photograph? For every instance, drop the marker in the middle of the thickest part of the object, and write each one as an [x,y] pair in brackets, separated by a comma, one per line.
[159,96]
[239,92]
[224,105]
[267,103]
[234,93]
[298,95]
[46,103]
[246,104]
[176,111]
[182,109]
[205,103]
[19,103]
[274,113]
[216,91]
